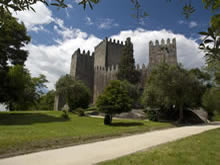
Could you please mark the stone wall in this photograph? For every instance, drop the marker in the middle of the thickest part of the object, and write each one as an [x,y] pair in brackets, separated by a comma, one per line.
[103,75]
[114,52]
[164,52]
[82,67]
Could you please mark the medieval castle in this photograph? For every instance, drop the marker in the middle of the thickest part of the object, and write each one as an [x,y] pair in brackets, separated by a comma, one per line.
[98,68]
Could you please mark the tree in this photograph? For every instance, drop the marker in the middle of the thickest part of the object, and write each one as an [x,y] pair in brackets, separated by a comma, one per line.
[114,100]
[211,44]
[46,101]
[13,37]
[77,95]
[210,101]
[171,87]
[23,91]
[127,69]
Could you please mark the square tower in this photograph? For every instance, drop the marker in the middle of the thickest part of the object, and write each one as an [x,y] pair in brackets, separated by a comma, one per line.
[108,53]
[164,52]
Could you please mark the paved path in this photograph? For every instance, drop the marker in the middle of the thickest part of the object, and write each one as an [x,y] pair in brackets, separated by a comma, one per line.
[92,153]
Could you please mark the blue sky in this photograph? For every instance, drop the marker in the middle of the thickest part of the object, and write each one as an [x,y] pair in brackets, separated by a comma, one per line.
[56,34]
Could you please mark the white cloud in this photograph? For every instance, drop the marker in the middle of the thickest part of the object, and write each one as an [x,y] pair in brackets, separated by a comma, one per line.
[107,23]
[33,20]
[54,60]
[89,21]
[77,1]
[187,49]
[192,24]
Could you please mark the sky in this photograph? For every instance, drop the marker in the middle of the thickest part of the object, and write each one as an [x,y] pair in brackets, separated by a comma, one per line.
[57,33]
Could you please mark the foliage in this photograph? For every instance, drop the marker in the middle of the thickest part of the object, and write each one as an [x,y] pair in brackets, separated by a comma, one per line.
[20,5]
[80,111]
[172,87]
[46,101]
[211,102]
[65,114]
[127,69]
[75,92]
[23,90]
[13,37]
[115,99]
[211,44]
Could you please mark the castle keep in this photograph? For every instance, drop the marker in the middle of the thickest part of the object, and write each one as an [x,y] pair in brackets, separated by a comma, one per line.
[98,68]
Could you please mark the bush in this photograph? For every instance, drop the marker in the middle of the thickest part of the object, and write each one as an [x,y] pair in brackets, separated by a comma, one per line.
[114,100]
[80,112]
[75,92]
[152,115]
[65,115]
[210,101]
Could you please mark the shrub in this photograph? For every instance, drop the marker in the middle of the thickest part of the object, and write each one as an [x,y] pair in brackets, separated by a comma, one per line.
[65,115]
[80,112]
[114,100]
[75,92]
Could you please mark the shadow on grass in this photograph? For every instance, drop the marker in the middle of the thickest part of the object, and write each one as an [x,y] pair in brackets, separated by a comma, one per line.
[124,124]
[27,118]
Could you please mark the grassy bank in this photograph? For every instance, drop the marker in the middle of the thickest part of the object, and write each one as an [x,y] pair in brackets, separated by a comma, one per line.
[22,132]
[203,149]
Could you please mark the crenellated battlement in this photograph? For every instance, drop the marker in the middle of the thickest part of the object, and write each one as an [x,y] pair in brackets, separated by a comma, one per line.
[116,42]
[111,41]
[83,53]
[113,68]
[163,43]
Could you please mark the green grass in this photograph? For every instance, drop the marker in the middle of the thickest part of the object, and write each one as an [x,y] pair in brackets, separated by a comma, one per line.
[203,149]
[22,132]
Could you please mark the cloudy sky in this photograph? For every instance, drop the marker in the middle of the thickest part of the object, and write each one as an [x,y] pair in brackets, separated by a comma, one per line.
[56,34]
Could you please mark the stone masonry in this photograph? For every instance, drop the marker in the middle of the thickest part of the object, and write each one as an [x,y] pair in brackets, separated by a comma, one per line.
[100,67]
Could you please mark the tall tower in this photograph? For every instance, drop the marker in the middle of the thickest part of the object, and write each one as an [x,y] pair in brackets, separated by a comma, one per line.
[108,53]
[164,52]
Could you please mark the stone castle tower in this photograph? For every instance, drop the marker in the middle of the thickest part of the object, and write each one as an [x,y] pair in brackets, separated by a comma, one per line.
[100,67]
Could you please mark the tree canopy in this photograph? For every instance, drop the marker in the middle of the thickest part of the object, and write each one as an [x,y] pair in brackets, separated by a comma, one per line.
[172,87]
[127,69]
[77,94]
[115,99]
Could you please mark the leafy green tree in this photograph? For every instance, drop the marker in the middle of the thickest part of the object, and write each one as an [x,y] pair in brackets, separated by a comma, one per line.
[127,69]
[211,43]
[75,92]
[171,87]
[210,101]
[13,37]
[23,91]
[46,101]
[114,100]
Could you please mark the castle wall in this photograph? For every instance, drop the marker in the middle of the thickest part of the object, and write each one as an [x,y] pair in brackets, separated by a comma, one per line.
[100,58]
[164,52]
[143,75]
[82,68]
[114,50]
[103,75]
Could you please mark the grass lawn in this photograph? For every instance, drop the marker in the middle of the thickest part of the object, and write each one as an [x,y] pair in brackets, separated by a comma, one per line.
[203,149]
[22,132]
